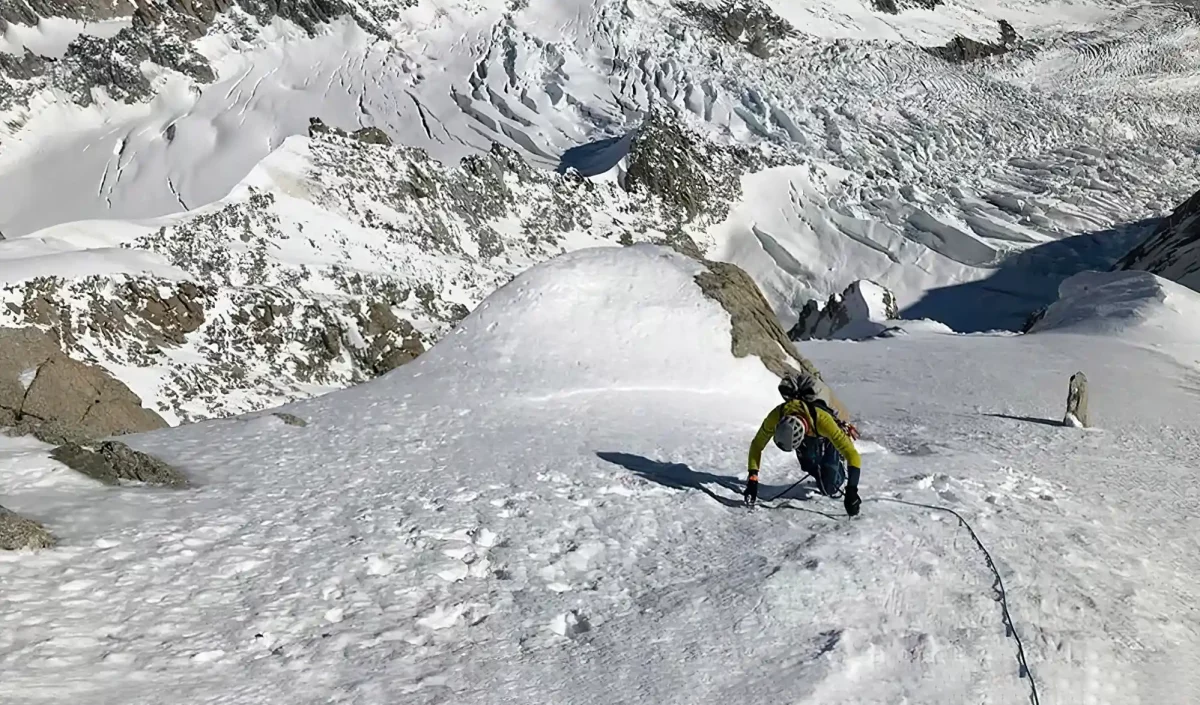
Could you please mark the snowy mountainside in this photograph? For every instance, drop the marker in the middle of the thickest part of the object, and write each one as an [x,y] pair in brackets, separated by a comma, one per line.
[821,144]
[336,260]
[1137,305]
[487,541]
[964,162]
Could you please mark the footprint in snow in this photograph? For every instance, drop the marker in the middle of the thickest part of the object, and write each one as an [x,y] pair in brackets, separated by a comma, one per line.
[378,565]
[470,558]
[570,624]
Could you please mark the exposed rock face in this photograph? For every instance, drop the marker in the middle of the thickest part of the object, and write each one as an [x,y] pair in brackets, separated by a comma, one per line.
[39,384]
[17,533]
[750,24]
[961,49]
[688,183]
[858,312]
[1077,402]
[1172,249]
[894,7]
[755,330]
[366,135]
[113,461]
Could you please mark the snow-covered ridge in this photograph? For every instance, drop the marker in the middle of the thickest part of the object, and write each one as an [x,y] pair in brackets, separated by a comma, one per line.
[1133,304]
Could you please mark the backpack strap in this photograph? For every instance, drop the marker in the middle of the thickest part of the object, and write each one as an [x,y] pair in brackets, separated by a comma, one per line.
[818,402]
[812,415]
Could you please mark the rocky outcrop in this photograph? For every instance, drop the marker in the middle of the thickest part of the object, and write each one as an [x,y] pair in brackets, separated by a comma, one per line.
[18,533]
[1077,402]
[366,135]
[750,24]
[290,419]
[755,329]
[41,385]
[861,311]
[1172,248]
[112,462]
[962,49]
[894,7]
[690,181]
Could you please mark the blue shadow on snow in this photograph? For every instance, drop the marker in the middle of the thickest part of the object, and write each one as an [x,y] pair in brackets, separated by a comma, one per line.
[679,476]
[1027,281]
[595,158]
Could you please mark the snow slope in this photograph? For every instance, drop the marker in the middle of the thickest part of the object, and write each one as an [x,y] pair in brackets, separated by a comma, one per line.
[467,530]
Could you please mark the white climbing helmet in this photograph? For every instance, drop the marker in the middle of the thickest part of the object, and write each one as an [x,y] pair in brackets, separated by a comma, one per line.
[790,433]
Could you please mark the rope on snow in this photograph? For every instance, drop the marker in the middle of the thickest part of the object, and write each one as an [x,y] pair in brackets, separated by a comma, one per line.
[1009,628]
[998,586]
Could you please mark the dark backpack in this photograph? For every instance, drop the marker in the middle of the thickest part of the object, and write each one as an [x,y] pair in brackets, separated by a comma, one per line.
[818,403]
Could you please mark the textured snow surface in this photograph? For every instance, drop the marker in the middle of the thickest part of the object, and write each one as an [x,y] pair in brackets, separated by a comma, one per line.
[458,531]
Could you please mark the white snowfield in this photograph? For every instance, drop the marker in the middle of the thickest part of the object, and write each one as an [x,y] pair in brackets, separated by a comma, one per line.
[544,508]
[915,173]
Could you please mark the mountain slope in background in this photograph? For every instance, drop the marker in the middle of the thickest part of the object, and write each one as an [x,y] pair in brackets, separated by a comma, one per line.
[537,510]
[336,260]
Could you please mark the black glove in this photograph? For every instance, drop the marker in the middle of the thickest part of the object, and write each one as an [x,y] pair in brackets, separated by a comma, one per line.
[751,493]
[852,500]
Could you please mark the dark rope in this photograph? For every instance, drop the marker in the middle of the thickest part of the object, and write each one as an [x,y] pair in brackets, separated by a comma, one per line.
[1009,628]
[794,486]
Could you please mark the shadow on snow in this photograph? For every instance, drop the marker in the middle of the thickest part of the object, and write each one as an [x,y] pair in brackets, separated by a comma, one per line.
[1026,281]
[595,158]
[679,476]
[1028,419]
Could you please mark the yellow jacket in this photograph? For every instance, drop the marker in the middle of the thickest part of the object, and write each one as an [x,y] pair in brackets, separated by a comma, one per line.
[825,425]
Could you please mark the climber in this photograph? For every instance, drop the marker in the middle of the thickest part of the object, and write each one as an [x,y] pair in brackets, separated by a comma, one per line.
[823,443]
